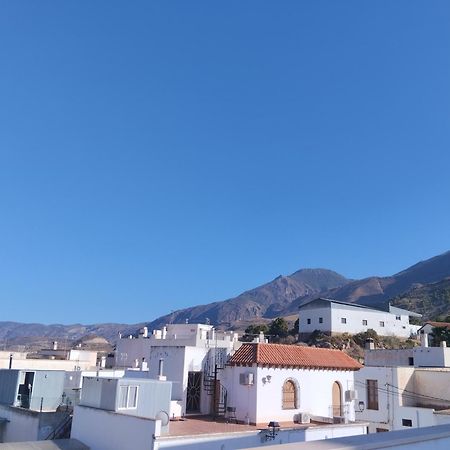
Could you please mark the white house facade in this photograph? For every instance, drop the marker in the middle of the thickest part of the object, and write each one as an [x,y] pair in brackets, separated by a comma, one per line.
[336,317]
[289,383]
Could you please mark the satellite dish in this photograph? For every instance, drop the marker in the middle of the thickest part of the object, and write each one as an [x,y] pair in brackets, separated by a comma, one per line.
[163,417]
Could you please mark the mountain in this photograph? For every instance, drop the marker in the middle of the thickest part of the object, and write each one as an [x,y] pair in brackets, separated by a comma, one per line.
[38,335]
[376,291]
[269,300]
[423,287]
[432,300]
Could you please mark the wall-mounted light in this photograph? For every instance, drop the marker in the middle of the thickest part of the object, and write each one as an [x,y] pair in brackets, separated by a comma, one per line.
[274,428]
[268,377]
[361,406]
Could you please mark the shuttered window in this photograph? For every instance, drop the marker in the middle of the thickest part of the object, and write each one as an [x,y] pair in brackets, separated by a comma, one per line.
[289,395]
[372,394]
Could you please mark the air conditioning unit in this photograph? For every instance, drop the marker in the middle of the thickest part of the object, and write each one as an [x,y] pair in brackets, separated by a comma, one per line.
[303,418]
[351,395]
[246,379]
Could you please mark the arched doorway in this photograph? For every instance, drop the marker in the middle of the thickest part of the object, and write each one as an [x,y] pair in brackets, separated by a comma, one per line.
[337,400]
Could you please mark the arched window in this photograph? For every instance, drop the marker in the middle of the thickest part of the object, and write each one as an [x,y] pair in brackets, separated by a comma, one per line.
[289,395]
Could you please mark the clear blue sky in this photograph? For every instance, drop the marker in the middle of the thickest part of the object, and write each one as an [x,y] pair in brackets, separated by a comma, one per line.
[157,155]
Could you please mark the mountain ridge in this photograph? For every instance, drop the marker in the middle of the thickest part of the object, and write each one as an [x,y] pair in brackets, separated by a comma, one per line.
[278,297]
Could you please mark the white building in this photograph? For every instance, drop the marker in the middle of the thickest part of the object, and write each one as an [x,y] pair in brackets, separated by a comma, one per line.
[399,389]
[289,383]
[189,354]
[336,317]
[131,413]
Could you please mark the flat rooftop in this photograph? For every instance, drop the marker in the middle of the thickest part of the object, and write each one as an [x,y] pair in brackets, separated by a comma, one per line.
[195,425]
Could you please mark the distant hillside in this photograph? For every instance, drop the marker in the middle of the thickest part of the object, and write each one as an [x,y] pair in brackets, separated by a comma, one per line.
[376,291]
[36,335]
[422,287]
[432,300]
[269,300]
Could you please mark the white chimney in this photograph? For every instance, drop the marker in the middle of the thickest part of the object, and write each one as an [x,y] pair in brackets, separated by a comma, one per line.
[161,377]
[424,339]
[145,332]
[443,344]
[369,345]
[55,345]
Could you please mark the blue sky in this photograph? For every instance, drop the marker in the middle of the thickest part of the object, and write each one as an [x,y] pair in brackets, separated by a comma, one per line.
[158,155]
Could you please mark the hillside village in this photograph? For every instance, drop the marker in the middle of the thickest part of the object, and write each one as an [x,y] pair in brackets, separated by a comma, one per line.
[339,370]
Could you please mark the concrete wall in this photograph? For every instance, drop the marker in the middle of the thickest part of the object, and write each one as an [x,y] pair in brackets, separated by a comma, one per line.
[436,438]
[48,387]
[249,439]
[433,383]
[106,430]
[27,425]
[9,382]
[174,368]
[388,358]
[130,350]
[262,402]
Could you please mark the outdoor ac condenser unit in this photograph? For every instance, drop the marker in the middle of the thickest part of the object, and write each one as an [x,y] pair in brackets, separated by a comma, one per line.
[351,395]
[303,418]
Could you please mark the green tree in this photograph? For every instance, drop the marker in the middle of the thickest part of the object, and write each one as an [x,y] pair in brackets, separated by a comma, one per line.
[279,328]
[441,334]
[294,330]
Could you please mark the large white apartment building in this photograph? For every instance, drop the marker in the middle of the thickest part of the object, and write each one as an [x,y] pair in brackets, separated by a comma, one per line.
[336,317]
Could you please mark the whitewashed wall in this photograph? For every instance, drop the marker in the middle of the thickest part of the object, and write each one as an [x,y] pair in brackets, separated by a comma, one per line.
[249,439]
[262,402]
[105,430]
[333,314]
[22,425]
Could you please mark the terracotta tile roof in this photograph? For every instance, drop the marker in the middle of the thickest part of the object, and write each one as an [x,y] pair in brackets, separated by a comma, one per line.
[439,324]
[279,355]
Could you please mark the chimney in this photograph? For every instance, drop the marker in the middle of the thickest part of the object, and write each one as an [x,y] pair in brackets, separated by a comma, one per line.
[369,345]
[144,365]
[55,345]
[423,339]
[145,332]
[10,360]
[161,377]
[443,344]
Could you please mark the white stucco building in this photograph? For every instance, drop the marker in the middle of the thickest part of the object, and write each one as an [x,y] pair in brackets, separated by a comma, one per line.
[189,354]
[336,317]
[400,389]
[290,383]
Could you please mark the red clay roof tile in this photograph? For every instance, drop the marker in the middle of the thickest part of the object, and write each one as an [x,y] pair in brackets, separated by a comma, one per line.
[280,355]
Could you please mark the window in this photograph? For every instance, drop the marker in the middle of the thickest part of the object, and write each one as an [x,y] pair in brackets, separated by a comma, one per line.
[381,430]
[407,422]
[289,395]
[381,323]
[343,320]
[398,318]
[308,321]
[372,394]
[320,319]
[411,361]
[128,397]
[364,322]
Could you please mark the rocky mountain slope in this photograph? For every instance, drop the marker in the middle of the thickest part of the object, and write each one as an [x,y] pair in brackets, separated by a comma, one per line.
[377,291]
[269,300]
[423,287]
[431,300]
